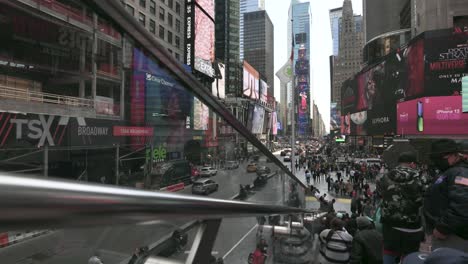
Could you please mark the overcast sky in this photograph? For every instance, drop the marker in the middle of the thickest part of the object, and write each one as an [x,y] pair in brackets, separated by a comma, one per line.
[321,46]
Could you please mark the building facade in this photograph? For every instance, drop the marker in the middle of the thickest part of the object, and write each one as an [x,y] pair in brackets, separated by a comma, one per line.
[381,16]
[349,59]
[227,43]
[259,45]
[438,14]
[247,6]
[335,16]
[164,20]
[299,19]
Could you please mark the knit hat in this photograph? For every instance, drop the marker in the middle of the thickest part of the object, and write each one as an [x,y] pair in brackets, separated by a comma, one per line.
[363,222]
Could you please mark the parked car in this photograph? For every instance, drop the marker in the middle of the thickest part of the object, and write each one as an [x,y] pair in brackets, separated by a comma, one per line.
[283,153]
[287,158]
[208,171]
[252,167]
[231,165]
[262,170]
[204,186]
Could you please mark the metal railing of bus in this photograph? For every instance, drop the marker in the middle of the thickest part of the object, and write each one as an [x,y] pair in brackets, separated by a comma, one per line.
[37,203]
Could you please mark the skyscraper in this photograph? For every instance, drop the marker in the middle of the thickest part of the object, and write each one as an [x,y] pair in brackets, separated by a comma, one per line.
[247,6]
[227,42]
[259,45]
[349,59]
[335,16]
[299,18]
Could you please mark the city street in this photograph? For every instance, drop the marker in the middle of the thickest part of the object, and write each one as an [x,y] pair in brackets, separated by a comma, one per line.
[116,244]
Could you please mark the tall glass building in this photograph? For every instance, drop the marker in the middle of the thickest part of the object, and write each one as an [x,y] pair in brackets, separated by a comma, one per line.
[247,6]
[299,18]
[335,16]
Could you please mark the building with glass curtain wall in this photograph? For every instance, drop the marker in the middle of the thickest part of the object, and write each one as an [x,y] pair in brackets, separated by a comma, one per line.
[247,6]
[299,18]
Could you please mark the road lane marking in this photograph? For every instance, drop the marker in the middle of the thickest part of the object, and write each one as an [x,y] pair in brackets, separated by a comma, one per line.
[240,241]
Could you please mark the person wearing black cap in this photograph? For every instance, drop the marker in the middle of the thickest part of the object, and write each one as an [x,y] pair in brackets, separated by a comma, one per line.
[367,243]
[402,196]
[446,202]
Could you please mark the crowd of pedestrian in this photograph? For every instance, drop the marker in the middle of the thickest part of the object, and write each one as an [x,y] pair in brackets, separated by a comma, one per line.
[423,215]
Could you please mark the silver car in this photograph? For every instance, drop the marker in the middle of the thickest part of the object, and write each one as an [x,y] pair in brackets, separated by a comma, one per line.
[204,186]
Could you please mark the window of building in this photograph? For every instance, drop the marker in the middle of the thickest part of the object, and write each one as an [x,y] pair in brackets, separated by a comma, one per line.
[131,10]
[177,25]
[177,56]
[162,13]
[177,8]
[177,41]
[170,51]
[170,3]
[153,7]
[152,26]
[169,37]
[143,3]
[169,19]
[161,32]
[142,19]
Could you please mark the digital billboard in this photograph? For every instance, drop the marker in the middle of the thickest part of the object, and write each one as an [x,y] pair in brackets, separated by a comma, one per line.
[251,79]
[199,36]
[263,91]
[274,123]
[201,115]
[218,88]
[438,115]
[446,62]
[258,119]
[349,96]
[335,117]
[465,94]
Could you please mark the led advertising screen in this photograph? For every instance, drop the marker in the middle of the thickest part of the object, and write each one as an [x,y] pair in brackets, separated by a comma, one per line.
[335,117]
[258,119]
[201,114]
[439,115]
[349,96]
[274,123]
[199,36]
[251,79]
[263,91]
[446,62]
[465,94]
[204,36]
[218,88]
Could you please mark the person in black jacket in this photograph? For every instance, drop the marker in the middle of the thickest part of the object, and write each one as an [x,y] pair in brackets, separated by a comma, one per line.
[367,243]
[446,201]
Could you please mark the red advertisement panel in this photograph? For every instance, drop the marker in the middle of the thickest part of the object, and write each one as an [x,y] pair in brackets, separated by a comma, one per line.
[122,131]
[440,115]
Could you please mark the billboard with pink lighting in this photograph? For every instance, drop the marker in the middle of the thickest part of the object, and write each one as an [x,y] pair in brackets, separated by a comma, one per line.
[439,115]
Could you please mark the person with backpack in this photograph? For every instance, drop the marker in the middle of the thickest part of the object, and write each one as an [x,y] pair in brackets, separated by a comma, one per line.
[335,243]
[367,243]
[402,196]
